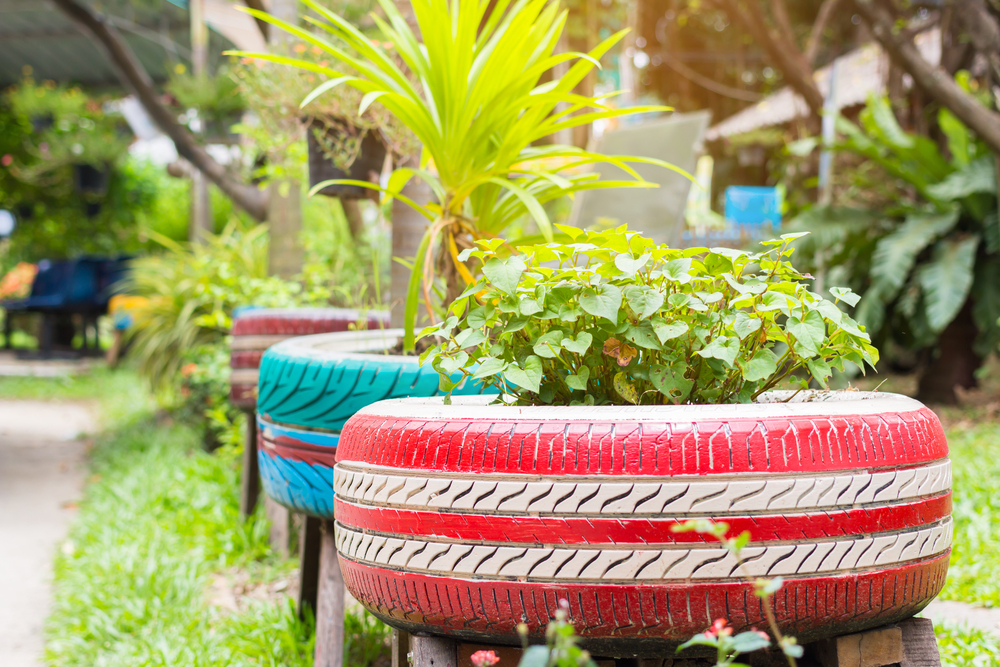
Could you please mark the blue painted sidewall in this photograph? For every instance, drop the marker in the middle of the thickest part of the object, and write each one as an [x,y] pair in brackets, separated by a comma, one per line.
[297,485]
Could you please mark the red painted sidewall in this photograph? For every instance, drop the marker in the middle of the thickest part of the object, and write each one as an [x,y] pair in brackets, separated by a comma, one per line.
[672,613]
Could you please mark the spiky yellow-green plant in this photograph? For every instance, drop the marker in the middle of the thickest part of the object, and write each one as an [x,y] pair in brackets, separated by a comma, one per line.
[472,93]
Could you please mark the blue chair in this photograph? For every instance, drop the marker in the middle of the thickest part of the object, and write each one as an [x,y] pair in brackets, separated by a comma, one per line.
[65,288]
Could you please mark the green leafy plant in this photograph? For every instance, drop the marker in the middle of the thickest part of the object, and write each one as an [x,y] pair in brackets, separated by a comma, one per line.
[933,250]
[720,636]
[218,99]
[472,94]
[191,292]
[612,317]
[561,648]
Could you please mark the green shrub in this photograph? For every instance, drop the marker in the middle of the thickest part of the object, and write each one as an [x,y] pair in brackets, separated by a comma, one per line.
[614,318]
[192,291]
[934,247]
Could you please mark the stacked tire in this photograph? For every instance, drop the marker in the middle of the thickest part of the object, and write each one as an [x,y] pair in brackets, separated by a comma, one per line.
[467,520]
[309,387]
[256,330]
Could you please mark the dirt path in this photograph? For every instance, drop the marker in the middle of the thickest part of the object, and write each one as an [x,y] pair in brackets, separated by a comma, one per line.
[41,475]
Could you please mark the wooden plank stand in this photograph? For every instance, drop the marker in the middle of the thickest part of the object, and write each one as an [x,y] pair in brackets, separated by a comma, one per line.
[909,643]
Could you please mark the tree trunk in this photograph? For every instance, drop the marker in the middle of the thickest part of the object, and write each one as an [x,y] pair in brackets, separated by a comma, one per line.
[355,219]
[955,362]
[286,253]
[784,54]
[933,80]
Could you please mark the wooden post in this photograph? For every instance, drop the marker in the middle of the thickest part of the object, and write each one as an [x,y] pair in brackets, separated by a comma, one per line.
[873,648]
[329,603]
[279,516]
[429,651]
[284,218]
[250,484]
[201,207]
[400,648]
[920,648]
[310,541]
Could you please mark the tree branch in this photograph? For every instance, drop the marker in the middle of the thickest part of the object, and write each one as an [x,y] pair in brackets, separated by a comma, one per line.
[781,19]
[933,80]
[822,21]
[709,84]
[133,76]
[782,53]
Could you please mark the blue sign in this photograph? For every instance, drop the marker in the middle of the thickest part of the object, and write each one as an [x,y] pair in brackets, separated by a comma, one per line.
[749,205]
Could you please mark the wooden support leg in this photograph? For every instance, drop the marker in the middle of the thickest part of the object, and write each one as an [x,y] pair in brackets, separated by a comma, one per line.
[400,648]
[280,518]
[920,647]
[433,651]
[329,603]
[873,648]
[310,541]
[250,485]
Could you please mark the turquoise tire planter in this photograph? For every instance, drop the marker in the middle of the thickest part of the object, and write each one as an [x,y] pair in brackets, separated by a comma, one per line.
[309,386]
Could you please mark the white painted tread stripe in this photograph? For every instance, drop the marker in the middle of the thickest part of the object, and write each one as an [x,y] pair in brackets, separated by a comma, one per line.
[565,564]
[613,496]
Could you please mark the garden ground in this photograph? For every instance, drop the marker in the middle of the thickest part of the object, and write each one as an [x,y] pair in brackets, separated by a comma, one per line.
[158,568]
[42,465]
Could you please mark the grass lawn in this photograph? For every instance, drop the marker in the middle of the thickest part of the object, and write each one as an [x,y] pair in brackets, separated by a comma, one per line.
[157,535]
[974,573]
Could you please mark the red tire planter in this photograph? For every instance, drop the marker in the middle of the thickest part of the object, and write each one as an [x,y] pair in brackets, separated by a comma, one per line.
[466,520]
[256,330]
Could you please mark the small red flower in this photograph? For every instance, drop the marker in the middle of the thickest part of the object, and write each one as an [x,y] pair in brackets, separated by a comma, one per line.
[719,629]
[484,659]
[6,160]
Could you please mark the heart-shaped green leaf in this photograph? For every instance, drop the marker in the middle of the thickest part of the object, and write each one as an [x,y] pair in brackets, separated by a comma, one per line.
[643,300]
[578,382]
[528,375]
[489,366]
[602,301]
[809,333]
[548,345]
[761,366]
[469,337]
[642,334]
[628,265]
[744,324]
[819,370]
[529,307]
[450,365]
[669,380]
[723,348]
[846,295]
[580,345]
[669,330]
[504,274]
[678,271]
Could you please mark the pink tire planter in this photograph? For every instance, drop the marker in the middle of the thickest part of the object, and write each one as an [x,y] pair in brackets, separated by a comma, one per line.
[465,520]
[258,329]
